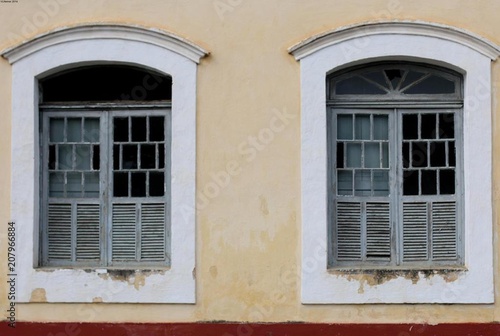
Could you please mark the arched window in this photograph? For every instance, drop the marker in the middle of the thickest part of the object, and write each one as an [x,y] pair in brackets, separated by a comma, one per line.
[395,138]
[105,167]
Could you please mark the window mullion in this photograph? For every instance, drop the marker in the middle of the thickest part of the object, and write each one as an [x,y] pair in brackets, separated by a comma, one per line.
[396,171]
[106,184]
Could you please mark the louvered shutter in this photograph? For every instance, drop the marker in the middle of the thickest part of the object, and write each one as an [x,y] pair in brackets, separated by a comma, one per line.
[378,231]
[66,244]
[138,232]
[348,231]
[429,231]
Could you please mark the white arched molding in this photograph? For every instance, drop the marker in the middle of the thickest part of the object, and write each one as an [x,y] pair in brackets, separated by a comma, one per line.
[109,44]
[410,41]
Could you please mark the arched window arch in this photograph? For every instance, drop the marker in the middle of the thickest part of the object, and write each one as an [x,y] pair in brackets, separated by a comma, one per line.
[100,49]
[441,50]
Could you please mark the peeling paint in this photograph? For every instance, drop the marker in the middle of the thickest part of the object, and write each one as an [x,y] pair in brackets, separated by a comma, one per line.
[97,299]
[213,271]
[38,295]
[263,205]
[137,278]
[378,277]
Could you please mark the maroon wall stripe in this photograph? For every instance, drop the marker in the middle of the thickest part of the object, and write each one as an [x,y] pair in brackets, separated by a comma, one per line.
[247,329]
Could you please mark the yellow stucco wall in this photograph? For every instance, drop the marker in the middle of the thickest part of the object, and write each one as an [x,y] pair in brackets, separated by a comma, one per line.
[248,237]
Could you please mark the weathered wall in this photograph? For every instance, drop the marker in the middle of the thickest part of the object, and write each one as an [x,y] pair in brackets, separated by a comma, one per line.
[248,236]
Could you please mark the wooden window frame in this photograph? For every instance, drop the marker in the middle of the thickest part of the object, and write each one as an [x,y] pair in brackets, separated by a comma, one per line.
[106,198]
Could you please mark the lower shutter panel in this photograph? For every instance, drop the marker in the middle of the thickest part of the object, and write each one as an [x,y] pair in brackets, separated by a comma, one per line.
[88,238]
[378,231]
[444,231]
[59,232]
[124,238]
[415,232]
[348,231]
[153,232]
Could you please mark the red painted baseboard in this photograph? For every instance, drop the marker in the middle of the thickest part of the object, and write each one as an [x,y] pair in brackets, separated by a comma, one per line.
[247,329]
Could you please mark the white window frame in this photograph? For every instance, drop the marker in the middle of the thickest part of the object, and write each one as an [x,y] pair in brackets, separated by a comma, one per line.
[97,44]
[420,42]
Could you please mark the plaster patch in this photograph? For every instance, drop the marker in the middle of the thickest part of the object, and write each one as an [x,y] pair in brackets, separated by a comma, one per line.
[213,271]
[38,295]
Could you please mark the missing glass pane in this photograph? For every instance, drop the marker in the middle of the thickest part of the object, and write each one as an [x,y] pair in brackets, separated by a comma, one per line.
[156,184]
[429,182]
[452,154]
[410,182]
[139,129]
[406,154]
[161,156]
[120,129]
[138,184]
[156,128]
[340,155]
[419,154]
[52,157]
[129,159]
[394,76]
[447,182]
[120,184]
[438,154]
[428,127]
[446,126]
[148,156]
[96,157]
[410,126]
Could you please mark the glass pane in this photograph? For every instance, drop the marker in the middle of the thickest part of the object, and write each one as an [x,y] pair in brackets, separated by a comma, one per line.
[129,159]
[340,155]
[372,155]
[419,154]
[446,126]
[447,182]
[411,76]
[148,156]
[74,185]
[410,182]
[57,129]
[65,157]
[56,184]
[82,153]
[357,85]
[354,155]
[380,183]
[380,127]
[394,76]
[74,129]
[138,184]
[120,129]
[378,77]
[362,129]
[428,128]
[362,183]
[410,126]
[96,157]
[438,154]
[432,85]
[52,157]
[139,129]
[344,182]
[91,184]
[429,182]
[156,128]
[385,155]
[91,128]
[344,126]
[156,184]
[120,184]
